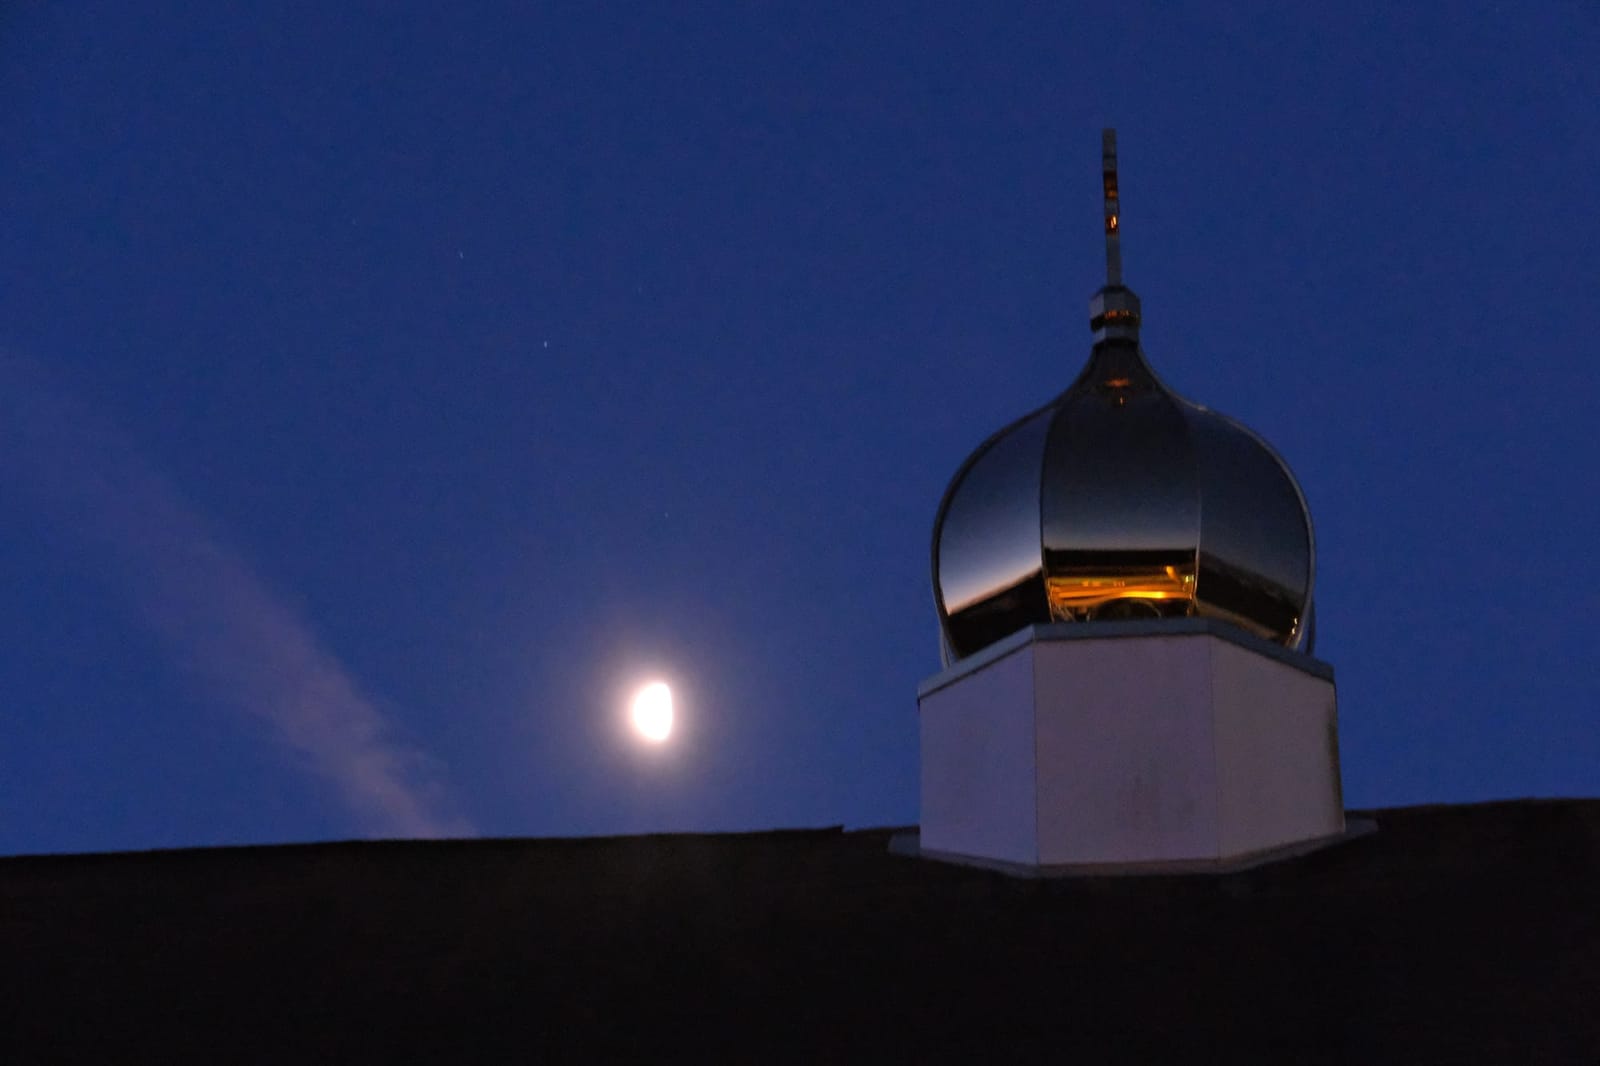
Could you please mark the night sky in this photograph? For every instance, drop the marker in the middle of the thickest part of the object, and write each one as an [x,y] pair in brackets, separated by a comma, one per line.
[386,389]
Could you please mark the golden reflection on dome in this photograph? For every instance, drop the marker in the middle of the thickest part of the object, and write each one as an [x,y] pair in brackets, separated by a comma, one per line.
[1073,596]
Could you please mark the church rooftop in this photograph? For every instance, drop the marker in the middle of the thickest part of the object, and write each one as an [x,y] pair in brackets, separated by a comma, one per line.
[1453,934]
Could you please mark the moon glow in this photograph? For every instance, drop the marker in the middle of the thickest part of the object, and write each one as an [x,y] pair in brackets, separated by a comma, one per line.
[651,712]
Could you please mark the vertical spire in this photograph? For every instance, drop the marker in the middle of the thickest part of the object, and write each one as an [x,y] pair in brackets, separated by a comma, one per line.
[1108,172]
[1114,310]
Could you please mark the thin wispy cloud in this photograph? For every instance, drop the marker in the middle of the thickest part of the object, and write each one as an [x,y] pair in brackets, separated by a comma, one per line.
[221,623]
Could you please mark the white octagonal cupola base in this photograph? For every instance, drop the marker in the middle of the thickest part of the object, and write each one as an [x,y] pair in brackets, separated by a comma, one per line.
[1123,747]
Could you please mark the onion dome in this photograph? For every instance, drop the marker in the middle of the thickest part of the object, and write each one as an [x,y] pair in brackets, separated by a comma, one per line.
[1121,500]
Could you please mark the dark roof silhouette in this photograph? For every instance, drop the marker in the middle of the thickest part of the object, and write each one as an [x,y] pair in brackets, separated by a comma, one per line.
[1453,934]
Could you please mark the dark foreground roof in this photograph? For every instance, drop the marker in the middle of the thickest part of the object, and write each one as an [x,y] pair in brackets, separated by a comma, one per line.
[1453,934]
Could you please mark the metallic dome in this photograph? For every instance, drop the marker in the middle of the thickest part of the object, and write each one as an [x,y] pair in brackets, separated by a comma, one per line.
[1121,500]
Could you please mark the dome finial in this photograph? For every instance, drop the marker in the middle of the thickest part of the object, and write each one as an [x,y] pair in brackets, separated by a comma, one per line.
[1114,311]
[1108,172]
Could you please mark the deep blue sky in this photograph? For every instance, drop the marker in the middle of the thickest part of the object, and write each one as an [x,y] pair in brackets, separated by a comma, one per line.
[385,387]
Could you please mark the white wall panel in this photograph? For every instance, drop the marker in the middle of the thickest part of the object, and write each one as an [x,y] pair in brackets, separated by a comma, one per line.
[1125,768]
[1277,754]
[978,792]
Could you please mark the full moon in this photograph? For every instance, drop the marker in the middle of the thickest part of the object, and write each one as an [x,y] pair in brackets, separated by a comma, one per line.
[651,712]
